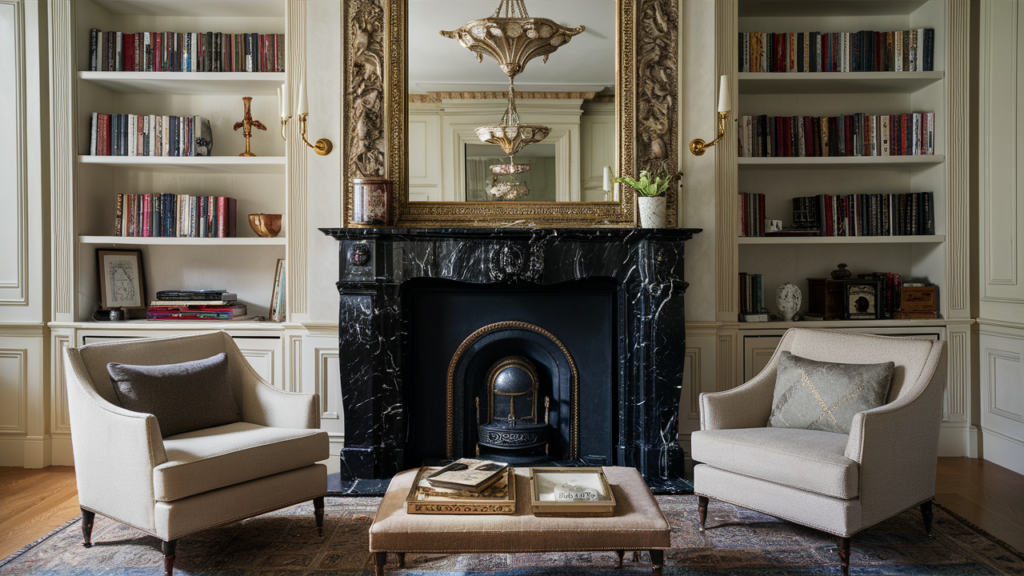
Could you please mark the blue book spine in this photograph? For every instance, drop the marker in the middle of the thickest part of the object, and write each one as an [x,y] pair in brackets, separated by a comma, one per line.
[929,50]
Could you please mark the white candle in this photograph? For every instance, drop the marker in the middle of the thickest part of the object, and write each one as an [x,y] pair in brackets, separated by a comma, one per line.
[285,106]
[607,179]
[724,95]
[303,100]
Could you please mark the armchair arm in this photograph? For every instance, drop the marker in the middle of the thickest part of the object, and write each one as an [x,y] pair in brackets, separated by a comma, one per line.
[747,406]
[897,446]
[115,451]
[266,405]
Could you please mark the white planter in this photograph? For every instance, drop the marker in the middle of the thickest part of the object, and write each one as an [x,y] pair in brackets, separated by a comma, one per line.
[652,211]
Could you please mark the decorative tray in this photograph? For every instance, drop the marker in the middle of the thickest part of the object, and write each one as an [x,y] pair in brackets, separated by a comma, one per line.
[579,492]
[498,498]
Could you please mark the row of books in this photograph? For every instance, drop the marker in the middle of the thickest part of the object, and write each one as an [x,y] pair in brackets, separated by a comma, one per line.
[132,135]
[185,52]
[911,134]
[175,216]
[864,51]
[752,298]
[911,214]
[751,214]
[196,305]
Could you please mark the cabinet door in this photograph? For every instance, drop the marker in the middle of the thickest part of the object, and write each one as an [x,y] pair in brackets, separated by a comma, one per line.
[757,351]
[265,356]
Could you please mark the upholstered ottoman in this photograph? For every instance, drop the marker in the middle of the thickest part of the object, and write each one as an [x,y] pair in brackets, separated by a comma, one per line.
[638,524]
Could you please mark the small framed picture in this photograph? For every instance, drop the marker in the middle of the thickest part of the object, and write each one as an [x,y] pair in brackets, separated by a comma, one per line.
[860,300]
[121,282]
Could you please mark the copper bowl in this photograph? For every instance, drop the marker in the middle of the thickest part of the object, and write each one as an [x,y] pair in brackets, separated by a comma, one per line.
[265,225]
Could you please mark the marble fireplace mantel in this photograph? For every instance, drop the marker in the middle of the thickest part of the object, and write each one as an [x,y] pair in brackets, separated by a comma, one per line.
[646,266]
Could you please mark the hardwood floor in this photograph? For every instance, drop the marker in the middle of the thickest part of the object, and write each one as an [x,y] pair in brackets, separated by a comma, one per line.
[34,502]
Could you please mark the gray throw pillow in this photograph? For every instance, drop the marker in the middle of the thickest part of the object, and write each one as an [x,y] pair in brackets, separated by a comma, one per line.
[824,395]
[183,397]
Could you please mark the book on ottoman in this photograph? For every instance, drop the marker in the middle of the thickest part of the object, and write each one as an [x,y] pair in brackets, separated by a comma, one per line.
[467,474]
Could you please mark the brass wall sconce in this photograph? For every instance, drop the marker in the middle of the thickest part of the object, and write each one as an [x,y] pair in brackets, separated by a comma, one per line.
[698,146]
[323,146]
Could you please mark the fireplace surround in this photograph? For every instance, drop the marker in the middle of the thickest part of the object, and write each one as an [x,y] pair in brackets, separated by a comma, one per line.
[598,312]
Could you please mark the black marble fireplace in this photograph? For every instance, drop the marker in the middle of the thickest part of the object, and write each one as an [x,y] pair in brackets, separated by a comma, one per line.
[592,319]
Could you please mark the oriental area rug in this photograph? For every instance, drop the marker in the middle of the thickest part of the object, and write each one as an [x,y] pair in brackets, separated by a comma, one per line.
[737,541]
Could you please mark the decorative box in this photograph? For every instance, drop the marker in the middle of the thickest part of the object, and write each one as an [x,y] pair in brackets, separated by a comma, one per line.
[371,201]
[498,498]
[919,302]
[576,492]
[825,298]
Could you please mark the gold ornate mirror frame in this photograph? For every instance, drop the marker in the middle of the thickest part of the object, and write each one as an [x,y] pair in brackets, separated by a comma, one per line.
[376,116]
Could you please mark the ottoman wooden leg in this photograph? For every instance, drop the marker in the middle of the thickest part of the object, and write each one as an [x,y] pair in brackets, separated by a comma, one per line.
[658,559]
[702,510]
[401,559]
[620,554]
[636,555]
[88,518]
[379,560]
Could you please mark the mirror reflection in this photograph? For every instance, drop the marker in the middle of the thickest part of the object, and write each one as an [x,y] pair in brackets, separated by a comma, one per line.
[490,120]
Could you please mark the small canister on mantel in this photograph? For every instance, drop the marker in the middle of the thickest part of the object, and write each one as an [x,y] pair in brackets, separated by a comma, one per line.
[371,201]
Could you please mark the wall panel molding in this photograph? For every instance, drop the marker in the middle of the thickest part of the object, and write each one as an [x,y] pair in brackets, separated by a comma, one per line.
[297,156]
[60,415]
[726,177]
[19,424]
[322,381]
[690,408]
[957,165]
[14,291]
[63,166]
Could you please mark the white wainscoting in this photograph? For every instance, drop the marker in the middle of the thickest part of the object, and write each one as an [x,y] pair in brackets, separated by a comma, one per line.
[322,375]
[1002,396]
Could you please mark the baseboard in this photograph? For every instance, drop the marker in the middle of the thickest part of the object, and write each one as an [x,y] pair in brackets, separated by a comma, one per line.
[958,439]
[1003,450]
[38,452]
[61,452]
[12,452]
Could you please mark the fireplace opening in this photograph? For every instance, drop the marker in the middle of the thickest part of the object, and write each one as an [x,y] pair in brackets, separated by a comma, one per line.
[520,372]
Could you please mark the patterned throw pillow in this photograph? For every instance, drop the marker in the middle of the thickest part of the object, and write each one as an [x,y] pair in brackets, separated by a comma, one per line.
[824,395]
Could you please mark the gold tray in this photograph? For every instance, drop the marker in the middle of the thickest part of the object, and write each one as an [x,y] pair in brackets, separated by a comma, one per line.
[499,498]
[544,498]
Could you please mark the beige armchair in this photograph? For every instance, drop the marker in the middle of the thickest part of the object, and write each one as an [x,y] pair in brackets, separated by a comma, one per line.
[837,483]
[172,487]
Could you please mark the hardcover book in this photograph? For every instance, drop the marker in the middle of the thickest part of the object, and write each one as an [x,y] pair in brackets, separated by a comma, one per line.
[467,474]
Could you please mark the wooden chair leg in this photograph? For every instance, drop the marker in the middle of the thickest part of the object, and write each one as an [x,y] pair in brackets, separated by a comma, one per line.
[620,554]
[658,559]
[168,550]
[88,517]
[702,510]
[318,512]
[844,555]
[926,513]
[636,555]
[401,559]
[379,560]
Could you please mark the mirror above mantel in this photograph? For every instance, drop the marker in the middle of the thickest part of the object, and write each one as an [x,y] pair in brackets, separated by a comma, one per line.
[415,99]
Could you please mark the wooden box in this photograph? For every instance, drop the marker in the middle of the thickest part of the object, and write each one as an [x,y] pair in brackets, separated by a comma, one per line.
[825,298]
[919,299]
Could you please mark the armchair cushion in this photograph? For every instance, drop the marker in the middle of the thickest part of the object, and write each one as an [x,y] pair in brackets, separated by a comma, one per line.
[825,396]
[205,460]
[810,460]
[184,397]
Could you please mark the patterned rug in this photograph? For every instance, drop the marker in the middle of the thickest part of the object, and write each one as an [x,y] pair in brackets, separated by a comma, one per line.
[737,541]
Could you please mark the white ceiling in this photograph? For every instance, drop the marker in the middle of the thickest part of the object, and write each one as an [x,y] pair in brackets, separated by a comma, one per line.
[439,64]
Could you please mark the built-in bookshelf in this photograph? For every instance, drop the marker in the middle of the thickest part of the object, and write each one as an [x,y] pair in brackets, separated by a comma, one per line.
[245,264]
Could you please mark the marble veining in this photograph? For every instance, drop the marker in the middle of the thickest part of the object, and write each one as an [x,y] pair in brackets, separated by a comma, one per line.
[646,265]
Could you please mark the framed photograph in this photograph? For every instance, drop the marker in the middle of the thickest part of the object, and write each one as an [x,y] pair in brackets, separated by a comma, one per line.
[121,282]
[860,301]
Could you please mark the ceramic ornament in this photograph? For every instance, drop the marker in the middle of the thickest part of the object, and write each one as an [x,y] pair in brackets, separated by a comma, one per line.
[788,299]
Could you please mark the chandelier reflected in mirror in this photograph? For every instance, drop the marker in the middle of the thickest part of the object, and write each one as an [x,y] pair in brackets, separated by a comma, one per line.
[512,38]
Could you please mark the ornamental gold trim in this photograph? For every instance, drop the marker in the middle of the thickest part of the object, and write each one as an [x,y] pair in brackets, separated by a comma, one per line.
[574,428]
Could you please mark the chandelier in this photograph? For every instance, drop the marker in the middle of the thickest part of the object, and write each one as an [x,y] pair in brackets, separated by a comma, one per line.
[512,38]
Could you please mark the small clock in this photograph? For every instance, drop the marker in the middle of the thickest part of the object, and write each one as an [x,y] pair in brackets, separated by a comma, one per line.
[861,299]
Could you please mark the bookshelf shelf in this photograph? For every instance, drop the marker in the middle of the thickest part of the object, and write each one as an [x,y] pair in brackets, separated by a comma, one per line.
[790,240]
[247,325]
[188,83]
[841,161]
[129,241]
[195,8]
[226,164]
[834,324]
[811,8]
[835,82]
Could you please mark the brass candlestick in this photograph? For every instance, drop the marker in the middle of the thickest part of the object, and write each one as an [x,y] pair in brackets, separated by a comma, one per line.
[247,124]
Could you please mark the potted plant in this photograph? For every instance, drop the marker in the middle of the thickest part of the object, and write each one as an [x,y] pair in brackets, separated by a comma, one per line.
[650,190]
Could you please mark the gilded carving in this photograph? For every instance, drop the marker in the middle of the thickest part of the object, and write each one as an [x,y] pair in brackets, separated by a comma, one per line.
[364,92]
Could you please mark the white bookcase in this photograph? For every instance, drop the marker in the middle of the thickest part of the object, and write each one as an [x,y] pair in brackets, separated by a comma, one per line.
[941,259]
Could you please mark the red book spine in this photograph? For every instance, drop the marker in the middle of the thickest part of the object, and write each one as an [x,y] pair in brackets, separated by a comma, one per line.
[222,209]
[147,214]
[103,135]
[232,209]
[808,136]
[848,134]
[157,52]
[788,122]
[903,134]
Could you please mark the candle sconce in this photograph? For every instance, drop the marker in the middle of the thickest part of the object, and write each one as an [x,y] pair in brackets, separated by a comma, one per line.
[323,146]
[284,125]
[698,146]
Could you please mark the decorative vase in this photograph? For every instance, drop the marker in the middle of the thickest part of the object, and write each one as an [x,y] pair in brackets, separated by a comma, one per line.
[371,201]
[788,299]
[841,273]
[265,225]
[652,211]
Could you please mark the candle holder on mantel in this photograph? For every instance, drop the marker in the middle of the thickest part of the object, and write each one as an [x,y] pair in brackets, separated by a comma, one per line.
[247,124]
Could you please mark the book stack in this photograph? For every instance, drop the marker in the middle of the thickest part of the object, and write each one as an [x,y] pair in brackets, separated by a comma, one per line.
[752,298]
[185,52]
[911,214]
[132,135]
[751,214]
[864,51]
[175,216]
[196,305]
[911,134]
